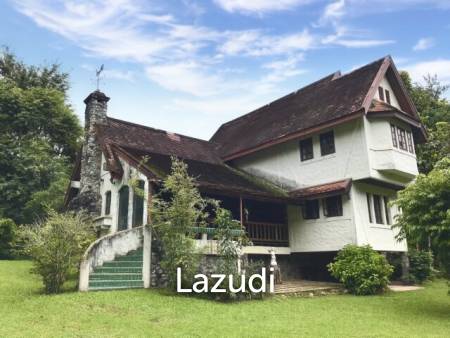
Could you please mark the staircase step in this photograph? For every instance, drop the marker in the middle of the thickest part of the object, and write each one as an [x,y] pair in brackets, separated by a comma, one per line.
[101,288]
[128,258]
[115,276]
[124,264]
[116,283]
[118,269]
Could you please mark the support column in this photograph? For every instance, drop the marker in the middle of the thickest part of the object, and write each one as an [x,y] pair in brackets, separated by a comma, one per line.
[405,266]
[147,256]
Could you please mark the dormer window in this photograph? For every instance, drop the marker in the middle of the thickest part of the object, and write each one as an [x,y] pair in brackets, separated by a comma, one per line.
[306,149]
[381,93]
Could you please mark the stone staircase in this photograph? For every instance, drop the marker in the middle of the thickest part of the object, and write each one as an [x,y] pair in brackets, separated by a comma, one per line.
[125,272]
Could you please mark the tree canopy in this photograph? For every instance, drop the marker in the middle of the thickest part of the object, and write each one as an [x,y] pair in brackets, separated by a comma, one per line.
[39,134]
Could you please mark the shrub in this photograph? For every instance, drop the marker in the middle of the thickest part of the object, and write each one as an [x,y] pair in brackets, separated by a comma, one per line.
[362,270]
[56,246]
[420,265]
[7,236]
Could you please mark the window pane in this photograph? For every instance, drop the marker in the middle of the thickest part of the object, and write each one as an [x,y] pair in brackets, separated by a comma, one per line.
[410,142]
[138,205]
[387,210]
[388,96]
[401,136]
[369,209]
[377,209]
[381,93]
[311,209]
[333,206]
[107,202]
[306,149]
[327,143]
[394,136]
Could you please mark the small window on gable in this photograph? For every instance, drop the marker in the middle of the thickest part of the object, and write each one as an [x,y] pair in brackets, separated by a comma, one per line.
[381,93]
[107,202]
[306,149]
[311,209]
[388,96]
[327,143]
[333,206]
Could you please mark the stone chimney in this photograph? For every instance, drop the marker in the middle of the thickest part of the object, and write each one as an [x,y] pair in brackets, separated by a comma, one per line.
[89,197]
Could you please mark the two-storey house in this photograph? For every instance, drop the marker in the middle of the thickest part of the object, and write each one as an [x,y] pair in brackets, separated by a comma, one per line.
[306,174]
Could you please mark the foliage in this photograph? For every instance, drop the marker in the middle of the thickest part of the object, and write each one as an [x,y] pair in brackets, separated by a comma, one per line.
[7,236]
[175,210]
[362,270]
[39,133]
[425,217]
[434,111]
[56,246]
[420,265]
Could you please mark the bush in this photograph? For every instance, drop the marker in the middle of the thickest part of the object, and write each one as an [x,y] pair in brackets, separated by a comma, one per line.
[7,236]
[420,265]
[56,246]
[362,270]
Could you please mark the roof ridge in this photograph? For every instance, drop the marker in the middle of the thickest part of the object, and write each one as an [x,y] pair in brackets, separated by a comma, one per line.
[331,76]
[158,130]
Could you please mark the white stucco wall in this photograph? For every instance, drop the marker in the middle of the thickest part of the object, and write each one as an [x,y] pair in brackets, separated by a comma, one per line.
[324,233]
[282,164]
[379,236]
[107,185]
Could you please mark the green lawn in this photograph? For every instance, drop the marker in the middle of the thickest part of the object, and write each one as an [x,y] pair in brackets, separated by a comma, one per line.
[25,312]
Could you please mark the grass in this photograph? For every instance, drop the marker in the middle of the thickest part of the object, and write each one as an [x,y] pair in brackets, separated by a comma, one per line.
[26,312]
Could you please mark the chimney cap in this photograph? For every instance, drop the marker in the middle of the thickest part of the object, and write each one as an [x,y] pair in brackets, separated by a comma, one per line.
[97,96]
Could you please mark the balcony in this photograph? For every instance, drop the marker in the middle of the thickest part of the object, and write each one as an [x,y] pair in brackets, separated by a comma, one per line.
[267,234]
[393,161]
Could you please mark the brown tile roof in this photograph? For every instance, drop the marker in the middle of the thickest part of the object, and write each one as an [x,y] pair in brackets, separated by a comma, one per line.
[323,190]
[132,142]
[328,99]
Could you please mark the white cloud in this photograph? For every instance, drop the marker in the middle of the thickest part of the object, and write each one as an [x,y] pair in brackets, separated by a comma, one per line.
[423,43]
[258,6]
[115,74]
[352,39]
[439,67]
[255,43]
[333,12]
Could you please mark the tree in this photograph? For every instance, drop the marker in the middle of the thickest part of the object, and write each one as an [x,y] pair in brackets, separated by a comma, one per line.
[175,211]
[56,246]
[425,216]
[7,237]
[39,133]
[434,111]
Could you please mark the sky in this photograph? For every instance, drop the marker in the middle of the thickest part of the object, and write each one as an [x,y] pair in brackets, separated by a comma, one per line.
[188,66]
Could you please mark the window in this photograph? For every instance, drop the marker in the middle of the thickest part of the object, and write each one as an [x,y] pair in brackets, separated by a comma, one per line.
[409,139]
[369,207]
[377,209]
[327,143]
[388,96]
[333,206]
[306,149]
[401,136]
[107,202]
[311,209]
[381,93]
[394,136]
[138,204]
[387,210]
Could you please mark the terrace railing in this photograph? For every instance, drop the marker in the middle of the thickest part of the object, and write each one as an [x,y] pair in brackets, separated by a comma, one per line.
[261,233]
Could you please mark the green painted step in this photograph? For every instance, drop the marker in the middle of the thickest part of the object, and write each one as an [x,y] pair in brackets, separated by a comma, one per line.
[108,269]
[115,276]
[125,272]
[115,283]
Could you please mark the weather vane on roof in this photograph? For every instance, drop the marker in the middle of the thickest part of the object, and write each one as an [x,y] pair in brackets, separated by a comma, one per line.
[97,74]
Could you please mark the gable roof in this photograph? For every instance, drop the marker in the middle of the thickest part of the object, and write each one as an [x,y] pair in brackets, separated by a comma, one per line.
[327,102]
[134,143]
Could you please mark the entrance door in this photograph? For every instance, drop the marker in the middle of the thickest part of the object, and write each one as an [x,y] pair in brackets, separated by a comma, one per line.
[124,194]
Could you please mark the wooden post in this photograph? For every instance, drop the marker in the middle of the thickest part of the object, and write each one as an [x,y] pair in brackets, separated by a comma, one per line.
[147,241]
[241,208]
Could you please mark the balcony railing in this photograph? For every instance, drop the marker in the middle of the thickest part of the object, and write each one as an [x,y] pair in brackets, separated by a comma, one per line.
[267,233]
